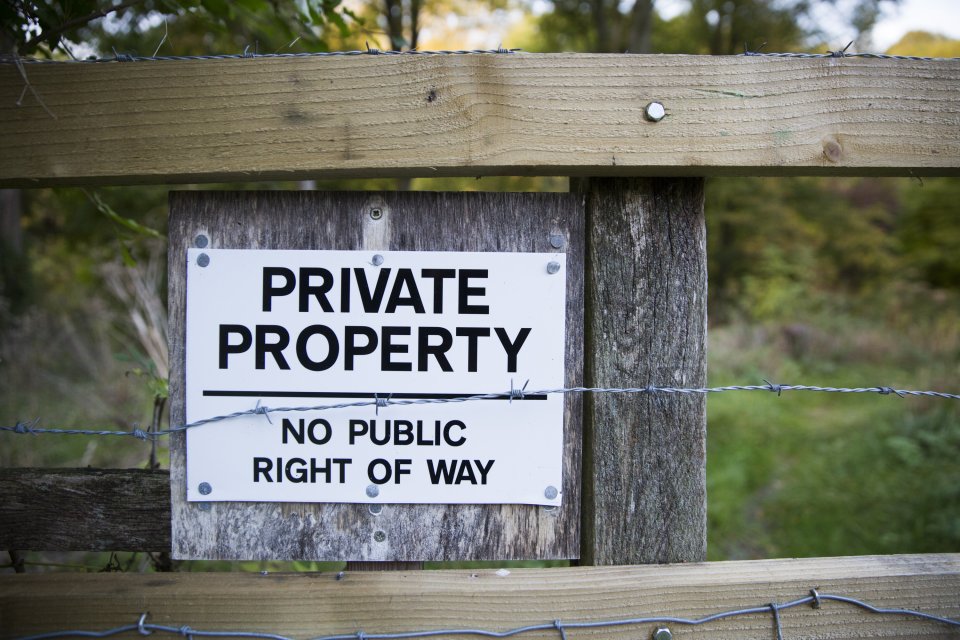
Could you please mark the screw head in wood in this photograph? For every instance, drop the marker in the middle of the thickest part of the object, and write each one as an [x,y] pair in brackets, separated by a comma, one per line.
[662,633]
[553,267]
[205,489]
[654,112]
[375,509]
[376,213]
[379,536]
[203,260]
[556,241]
[201,241]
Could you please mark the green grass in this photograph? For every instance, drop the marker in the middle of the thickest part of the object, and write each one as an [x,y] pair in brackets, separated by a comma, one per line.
[816,474]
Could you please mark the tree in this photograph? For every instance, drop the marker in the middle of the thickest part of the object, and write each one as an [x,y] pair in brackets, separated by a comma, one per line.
[47,27]
[714,27]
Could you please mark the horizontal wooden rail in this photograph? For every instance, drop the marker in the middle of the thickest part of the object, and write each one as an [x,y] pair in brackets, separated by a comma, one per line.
[310,604]
[475,115]
[84,510]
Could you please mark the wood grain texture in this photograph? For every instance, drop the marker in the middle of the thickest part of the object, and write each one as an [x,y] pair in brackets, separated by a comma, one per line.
[525,114]
[308,605]
[84,510]
[413,221]
[646,311]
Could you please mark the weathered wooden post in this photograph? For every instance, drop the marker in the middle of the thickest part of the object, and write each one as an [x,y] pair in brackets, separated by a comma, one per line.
[646,300]
[644,483]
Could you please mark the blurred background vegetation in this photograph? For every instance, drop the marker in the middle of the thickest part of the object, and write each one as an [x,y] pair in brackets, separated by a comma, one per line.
[847,282]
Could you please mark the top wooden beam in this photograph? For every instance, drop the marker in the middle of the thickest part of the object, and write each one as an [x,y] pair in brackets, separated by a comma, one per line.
[473,115]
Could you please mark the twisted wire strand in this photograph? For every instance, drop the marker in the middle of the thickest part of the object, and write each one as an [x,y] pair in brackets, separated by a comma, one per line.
[248,55]
[126,57]
[815,599]
[383,402]
[837,54]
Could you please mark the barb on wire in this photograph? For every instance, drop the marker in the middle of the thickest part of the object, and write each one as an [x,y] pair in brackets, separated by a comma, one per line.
[815,600]
[841,53]
[383,401]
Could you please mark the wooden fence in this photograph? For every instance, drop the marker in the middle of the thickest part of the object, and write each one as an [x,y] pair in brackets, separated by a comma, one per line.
[643,490]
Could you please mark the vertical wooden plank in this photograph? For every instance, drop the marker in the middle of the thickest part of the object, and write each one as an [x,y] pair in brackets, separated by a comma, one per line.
[645,454]
[405,222]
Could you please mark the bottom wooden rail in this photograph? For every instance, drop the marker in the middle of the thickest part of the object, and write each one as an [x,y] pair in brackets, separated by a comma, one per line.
[307,605]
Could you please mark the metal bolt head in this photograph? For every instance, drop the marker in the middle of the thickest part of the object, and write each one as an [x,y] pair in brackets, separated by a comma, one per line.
[550,493]
[556,241]
[377,260]
[201,241]
[553,267]
[662,633]
[654,112]
[205,489]
[376,213]
[373,491]
[375,509]
[205,506]
[203,260]
[379,536]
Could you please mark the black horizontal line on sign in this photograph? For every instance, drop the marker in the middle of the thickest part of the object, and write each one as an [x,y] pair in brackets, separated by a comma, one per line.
[363,395]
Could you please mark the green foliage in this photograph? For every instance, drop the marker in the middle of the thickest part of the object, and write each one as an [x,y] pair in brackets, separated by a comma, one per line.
[930,232]
[716,27]
[723,27]
[128,223]
[201,26]
[822,474]
[781,247]
[16,282]
[157,386]
[709,26]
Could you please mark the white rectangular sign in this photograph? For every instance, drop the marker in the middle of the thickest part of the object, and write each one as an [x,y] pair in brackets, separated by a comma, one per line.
[292,329]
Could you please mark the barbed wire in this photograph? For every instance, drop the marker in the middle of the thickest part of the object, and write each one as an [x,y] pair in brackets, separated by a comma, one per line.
[815,599]
[835,54]
[382,401]
[249,55]
[372,51]
[839,53]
